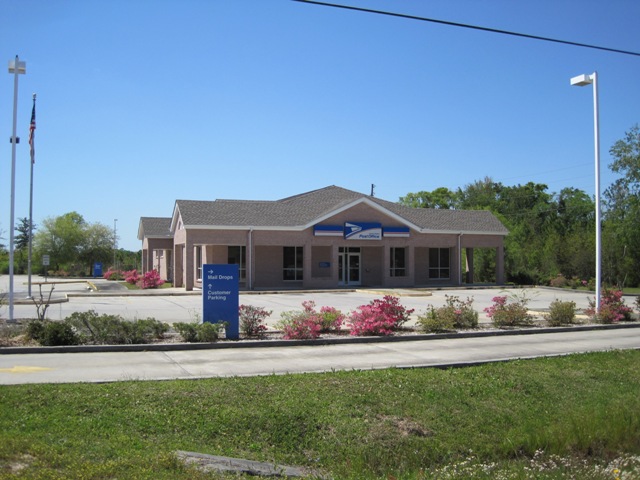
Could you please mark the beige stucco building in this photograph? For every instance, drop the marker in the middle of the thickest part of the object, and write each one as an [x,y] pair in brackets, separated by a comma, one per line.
[326,238]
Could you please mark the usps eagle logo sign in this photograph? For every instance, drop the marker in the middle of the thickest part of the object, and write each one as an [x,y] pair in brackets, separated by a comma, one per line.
[362,231]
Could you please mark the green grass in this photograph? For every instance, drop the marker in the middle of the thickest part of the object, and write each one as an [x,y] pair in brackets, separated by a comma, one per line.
[543,418]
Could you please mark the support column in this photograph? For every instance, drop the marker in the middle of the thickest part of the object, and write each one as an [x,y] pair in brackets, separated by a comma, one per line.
[469,273]
[500,265]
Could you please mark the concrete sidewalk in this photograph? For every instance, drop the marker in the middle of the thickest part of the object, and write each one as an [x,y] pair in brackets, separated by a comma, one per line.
[193,364]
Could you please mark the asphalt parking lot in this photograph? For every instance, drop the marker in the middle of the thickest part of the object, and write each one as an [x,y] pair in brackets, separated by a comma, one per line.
[176,305]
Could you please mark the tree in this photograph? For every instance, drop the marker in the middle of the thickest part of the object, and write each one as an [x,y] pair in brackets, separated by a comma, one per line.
[97,245]
[622,213]
[441,197]
[21,254]
[61,238]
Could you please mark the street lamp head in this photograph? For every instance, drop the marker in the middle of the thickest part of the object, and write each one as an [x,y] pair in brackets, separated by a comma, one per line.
[22,66]
[581,80]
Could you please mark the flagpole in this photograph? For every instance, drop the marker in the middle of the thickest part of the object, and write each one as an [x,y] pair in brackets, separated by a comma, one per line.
[32,133]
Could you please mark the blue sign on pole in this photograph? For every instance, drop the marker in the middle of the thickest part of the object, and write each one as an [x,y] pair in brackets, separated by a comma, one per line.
[221,297]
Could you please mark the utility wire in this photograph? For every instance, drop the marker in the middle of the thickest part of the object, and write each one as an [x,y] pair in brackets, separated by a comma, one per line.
[473,27]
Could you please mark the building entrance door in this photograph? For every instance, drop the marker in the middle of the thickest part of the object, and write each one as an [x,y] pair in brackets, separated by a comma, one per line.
[349,266]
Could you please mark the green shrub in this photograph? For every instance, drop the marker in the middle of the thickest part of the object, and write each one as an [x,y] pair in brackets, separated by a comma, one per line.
[561,313]
[455,314]
[35,330]
[51,334]
[114,330]
[199,332]
[435,320]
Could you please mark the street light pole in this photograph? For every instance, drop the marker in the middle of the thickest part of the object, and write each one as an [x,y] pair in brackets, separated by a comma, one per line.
[16,67]
[581,81]
[115,242]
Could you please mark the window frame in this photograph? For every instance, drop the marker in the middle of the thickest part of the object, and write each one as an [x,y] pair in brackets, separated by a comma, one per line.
[292,273]
[437,272]
[398,266]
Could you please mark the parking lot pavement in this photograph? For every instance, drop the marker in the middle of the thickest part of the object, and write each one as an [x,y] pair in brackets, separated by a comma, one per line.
[176,305]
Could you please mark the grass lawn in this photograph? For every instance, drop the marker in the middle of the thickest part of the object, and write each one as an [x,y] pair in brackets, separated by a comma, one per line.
[575,416]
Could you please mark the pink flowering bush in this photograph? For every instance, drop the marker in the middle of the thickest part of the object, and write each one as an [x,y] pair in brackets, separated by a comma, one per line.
[509,314]
[380,317]
[299,325]
[111,274]
[131,276]
[150,279]
[612,308]
[329,318]
[252,320]
[309,323]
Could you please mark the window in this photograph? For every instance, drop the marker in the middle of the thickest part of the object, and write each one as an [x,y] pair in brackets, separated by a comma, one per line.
[199,262]
[238,256]
[397,260]
[439,263]
[292,263]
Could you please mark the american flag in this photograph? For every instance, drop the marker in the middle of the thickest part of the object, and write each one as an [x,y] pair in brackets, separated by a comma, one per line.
[32,131]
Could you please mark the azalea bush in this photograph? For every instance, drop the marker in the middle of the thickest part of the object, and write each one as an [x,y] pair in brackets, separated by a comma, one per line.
[131,276]
[112,274]
[513,313]
[310,323]
[150,279]
[612,308]
[455,314]
[329,318]
[296,325]
[380,317]
[252,320]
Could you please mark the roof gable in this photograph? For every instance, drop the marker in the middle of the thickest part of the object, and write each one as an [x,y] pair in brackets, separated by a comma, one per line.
[154,227]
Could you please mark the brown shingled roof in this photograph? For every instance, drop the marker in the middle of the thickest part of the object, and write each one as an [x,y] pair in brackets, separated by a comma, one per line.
[303,210]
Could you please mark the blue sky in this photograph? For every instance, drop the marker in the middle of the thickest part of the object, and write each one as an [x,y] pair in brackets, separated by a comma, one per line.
[142,102]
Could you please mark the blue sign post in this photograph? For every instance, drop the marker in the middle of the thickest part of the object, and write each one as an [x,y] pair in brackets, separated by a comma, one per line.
[221,297]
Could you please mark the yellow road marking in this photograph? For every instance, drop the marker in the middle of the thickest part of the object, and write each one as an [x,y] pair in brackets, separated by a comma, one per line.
[23,369]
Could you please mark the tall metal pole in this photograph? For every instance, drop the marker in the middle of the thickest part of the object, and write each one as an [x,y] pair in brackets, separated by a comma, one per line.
[581,81]
[115,242]
[596,134]
[16,67]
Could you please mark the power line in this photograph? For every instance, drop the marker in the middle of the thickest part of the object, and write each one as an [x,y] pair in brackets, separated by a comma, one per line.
[473,27]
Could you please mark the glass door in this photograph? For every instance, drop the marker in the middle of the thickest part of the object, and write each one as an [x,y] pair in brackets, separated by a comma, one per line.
[349,266]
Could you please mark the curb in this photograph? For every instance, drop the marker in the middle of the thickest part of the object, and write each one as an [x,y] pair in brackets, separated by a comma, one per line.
[169,347]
